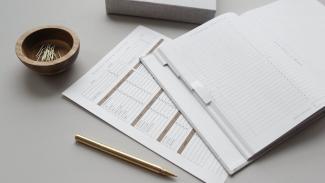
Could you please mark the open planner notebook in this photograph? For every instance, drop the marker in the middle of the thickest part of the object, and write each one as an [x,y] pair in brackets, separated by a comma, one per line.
[247,82]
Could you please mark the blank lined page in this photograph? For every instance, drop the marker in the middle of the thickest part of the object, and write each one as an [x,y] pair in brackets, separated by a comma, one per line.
[254,94]
[301,34]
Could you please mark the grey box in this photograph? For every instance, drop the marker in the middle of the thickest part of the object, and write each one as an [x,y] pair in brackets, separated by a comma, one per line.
[192,11]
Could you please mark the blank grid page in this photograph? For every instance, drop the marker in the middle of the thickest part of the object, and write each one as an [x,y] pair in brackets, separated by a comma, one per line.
[256,97]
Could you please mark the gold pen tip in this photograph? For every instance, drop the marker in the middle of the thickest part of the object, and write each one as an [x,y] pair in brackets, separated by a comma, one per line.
[173,175]
[168,173]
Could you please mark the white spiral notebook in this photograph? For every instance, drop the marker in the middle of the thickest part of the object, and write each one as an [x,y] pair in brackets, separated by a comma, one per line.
[247,82]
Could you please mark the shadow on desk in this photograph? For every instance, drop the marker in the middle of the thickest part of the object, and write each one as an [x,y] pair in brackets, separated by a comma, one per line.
[151,22]
[45,86]
[110,159]
[313,132]
[302,152]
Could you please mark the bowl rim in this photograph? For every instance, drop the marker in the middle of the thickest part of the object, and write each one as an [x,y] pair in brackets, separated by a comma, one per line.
[22,57]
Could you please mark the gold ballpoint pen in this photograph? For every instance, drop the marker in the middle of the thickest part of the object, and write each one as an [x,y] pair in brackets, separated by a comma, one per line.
[121,155]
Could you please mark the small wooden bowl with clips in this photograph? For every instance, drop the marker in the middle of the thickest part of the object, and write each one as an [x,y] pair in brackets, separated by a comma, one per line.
[48,50]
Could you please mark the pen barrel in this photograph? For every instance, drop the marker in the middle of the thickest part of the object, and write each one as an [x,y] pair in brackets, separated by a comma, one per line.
[121,155]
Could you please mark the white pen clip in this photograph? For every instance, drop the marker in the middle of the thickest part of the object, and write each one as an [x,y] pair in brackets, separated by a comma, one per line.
[161,57]
[201,91]
[157,53]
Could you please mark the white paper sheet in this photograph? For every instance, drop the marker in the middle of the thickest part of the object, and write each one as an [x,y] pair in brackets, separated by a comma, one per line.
[120,91]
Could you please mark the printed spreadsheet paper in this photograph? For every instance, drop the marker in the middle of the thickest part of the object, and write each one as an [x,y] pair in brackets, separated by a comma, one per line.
[120,91]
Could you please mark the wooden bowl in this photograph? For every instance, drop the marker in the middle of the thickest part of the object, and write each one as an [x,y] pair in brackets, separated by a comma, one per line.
[66,43]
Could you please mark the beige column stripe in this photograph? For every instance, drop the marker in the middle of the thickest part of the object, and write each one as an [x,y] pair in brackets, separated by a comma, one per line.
[155,46]
[118,84]
[186,141]
[147,107]
[127,75]
[169,126]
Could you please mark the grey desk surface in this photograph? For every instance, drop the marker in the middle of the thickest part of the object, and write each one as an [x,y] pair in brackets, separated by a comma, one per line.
[37,125]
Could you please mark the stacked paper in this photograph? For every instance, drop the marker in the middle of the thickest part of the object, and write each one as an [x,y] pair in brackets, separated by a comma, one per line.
[193,11]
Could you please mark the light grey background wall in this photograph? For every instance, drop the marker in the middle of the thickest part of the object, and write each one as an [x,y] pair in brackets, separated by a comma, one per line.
[37,125]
